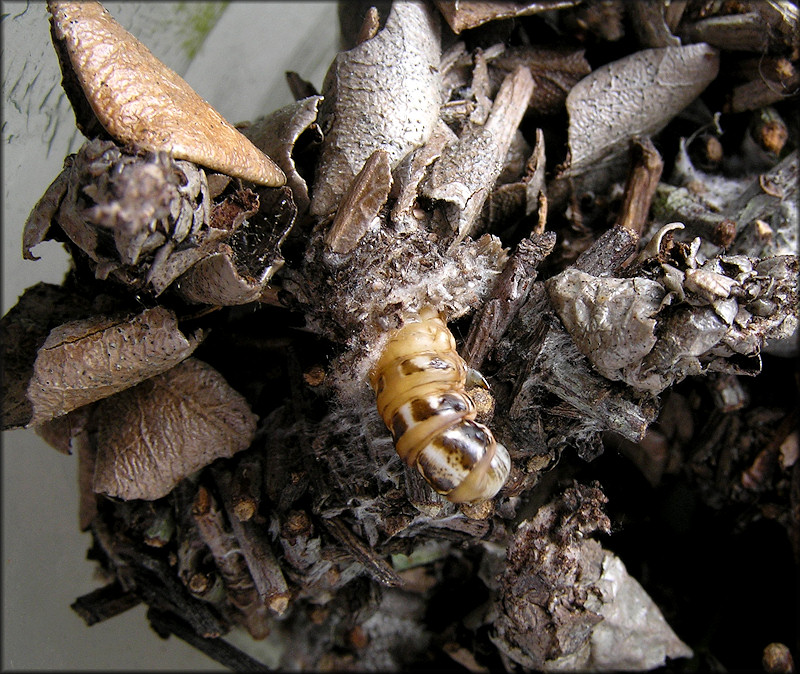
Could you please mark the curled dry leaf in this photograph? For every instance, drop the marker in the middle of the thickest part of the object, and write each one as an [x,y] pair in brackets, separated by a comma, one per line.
[153,435]
[85,360]
[691,317]
[634,96]
[276,134]
[512,201]
[23,330]
[381,95]
[142,102]
[552,365]
[238,270]
[411,171]
[462,15]
[610,318]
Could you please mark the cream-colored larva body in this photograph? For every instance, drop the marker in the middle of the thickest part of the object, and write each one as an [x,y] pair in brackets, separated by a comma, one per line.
[420,382]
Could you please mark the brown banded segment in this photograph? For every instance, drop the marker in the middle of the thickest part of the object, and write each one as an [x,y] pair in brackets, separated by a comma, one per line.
[425,362]
[424,408]
[397,389]
[420,383]
[447,408]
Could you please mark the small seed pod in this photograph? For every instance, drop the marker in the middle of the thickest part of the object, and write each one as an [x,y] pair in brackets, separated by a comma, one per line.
[420,382]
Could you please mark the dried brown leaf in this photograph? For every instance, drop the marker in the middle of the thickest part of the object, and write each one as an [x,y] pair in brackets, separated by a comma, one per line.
[127,213]
[141,101]
[23,330]
[153,435]
[38,223]
[461,15]
[85,360]
[162,220]
[634,96]
[382,94]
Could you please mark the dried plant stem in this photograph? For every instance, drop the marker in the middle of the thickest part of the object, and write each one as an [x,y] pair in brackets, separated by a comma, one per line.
[264,568]
[166,623]
[643,177]
[509,294]
[231,564]
[376,566]
[104,603]
[246,487]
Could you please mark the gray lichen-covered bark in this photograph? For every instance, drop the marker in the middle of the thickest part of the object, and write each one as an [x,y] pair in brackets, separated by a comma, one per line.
[381,95]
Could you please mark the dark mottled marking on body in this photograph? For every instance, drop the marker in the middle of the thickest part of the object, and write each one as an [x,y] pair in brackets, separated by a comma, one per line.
[466,440]
[398,426]
[421,409]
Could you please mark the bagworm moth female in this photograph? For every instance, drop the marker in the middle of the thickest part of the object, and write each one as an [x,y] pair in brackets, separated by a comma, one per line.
[420,382]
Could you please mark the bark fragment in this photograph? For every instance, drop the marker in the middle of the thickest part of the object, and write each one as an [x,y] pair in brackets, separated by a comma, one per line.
[466,171]
[464,15]
[360,204]
[381,95]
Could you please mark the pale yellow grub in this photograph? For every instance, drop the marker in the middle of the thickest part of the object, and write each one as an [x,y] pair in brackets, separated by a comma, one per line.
[420,385]
[142,102]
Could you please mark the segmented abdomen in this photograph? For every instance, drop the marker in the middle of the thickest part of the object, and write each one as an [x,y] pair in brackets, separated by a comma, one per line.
[420,382]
